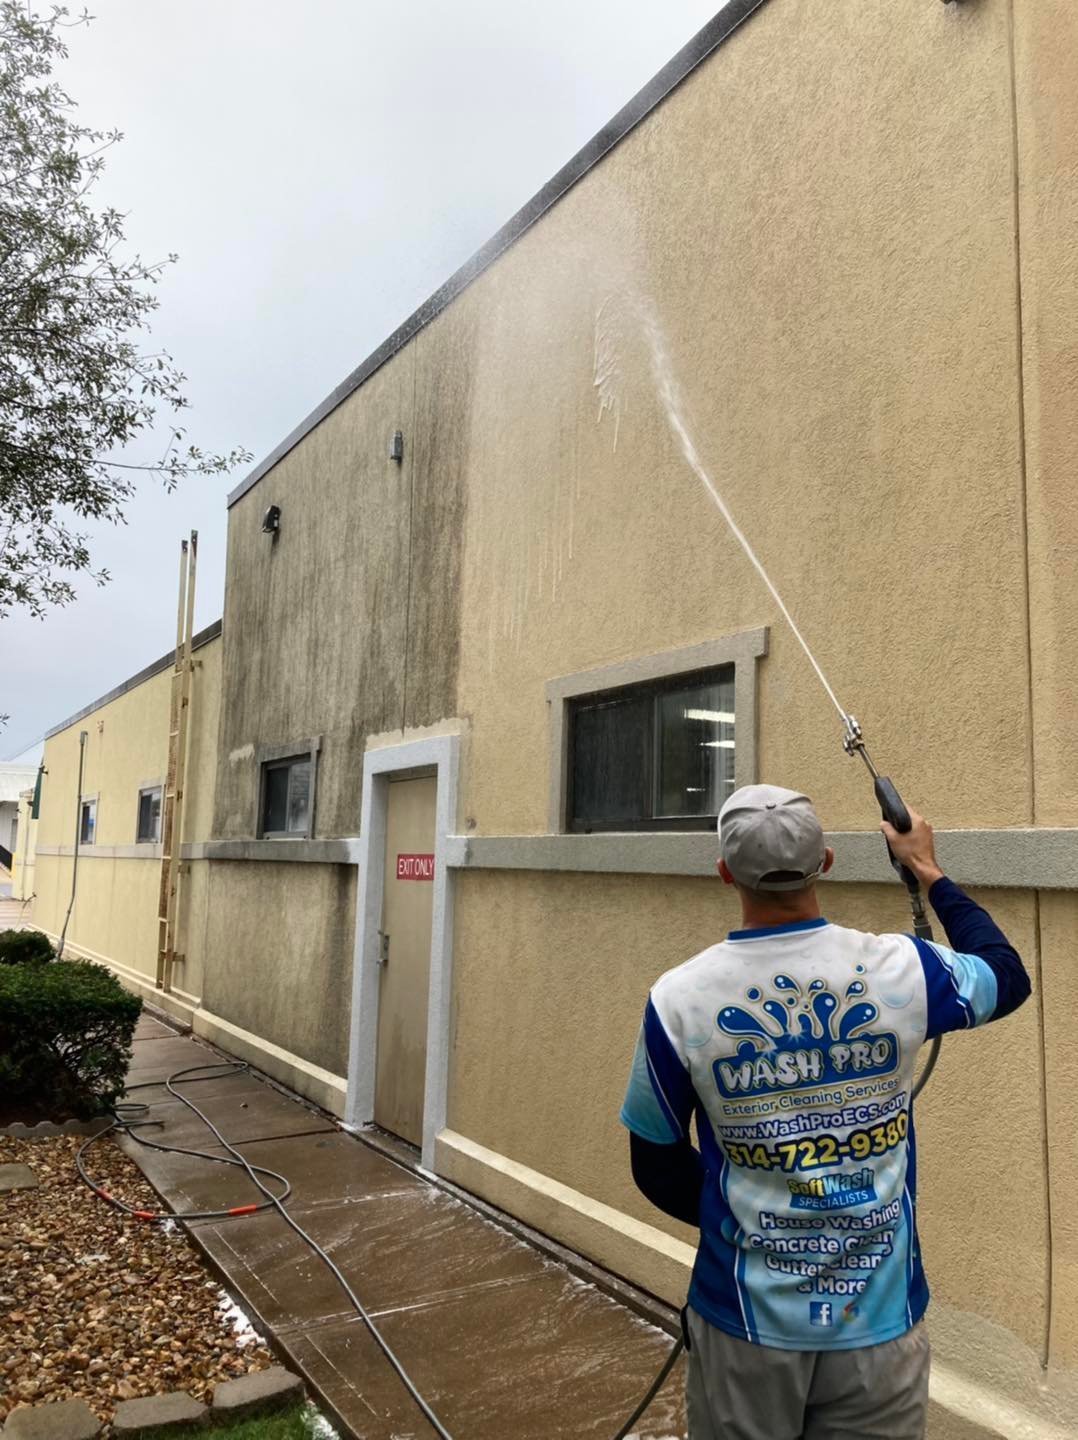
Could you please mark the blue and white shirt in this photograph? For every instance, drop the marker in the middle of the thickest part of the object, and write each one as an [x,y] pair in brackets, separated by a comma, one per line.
[795,1048]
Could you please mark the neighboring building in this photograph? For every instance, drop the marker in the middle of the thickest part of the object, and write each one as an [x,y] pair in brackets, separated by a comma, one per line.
[22,870]
[483,686]
[13,780]
[115,901]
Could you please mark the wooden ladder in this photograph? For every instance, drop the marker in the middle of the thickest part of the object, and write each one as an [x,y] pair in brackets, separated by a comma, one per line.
[172,799]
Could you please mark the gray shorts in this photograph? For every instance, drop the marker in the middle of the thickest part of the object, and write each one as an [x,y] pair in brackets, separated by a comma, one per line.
[738,1391]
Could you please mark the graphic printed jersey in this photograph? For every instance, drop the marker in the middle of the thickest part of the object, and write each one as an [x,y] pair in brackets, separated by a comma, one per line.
[795,1047]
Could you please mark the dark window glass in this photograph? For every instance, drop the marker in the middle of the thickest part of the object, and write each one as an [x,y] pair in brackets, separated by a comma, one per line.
[286,797]
[654,756]
[696,749]
[88,822]
[299,796]
[610,760]
[149,816]
[275,810]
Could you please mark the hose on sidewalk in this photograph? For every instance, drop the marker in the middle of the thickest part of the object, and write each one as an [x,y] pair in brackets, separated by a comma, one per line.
[126,1121]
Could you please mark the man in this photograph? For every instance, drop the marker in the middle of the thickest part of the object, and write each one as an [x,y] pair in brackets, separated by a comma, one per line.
[794,1044]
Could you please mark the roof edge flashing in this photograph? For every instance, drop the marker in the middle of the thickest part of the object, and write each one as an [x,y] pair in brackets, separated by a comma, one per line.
[203,637]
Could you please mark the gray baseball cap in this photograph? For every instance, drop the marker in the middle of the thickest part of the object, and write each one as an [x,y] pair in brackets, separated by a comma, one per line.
[771,838]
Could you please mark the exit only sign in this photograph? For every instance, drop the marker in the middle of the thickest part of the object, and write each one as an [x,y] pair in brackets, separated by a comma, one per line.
[415,867]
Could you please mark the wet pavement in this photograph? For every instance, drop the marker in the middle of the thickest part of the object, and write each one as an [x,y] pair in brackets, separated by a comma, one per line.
[504,1342]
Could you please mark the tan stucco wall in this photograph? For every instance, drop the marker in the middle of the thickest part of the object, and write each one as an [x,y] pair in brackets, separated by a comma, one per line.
[823,220]
[345,625]
[115,913]
[559,966]
[835,266]
[1059,927]
[1047,92]
[279,955]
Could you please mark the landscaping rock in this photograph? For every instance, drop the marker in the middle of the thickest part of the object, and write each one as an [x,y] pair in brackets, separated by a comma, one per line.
[17,1177]
[146,1418]
[46,1129]
[95,1306]
[63,1420]
[254,1394]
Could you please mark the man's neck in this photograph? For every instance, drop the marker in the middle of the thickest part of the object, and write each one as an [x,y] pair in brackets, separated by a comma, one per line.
[787,908]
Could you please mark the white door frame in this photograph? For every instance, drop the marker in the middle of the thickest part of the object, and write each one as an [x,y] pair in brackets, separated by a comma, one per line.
[440,753]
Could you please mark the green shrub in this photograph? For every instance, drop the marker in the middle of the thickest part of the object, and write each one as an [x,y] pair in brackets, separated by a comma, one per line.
[65,1037]
[17,947]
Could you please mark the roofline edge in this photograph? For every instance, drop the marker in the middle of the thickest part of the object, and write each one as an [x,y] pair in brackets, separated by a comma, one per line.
[203,637]
[703,44]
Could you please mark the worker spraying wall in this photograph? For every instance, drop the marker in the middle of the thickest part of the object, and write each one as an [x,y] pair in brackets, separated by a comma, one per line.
[824,219]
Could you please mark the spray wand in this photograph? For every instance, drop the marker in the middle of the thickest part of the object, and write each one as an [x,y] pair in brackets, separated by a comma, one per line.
[895,813]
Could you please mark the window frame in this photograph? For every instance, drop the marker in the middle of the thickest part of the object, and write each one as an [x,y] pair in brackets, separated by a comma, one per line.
[651,690]
[84,801]
[159,787]
[743,649]
[273,757]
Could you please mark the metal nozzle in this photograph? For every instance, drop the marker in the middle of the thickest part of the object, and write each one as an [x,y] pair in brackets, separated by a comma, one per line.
[853,744]
[851,740]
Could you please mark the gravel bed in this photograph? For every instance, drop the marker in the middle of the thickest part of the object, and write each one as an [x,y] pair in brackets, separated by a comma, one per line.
[101,1307]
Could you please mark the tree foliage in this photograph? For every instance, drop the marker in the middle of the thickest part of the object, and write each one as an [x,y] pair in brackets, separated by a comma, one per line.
[77,382]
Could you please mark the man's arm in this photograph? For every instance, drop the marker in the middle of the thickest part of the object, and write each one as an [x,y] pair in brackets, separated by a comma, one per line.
[658,1112]
[981,977]
[670,1176]
[972,931]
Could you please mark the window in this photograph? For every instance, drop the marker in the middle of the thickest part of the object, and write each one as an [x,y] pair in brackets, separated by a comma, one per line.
[653,756]
[287,787]
[87,822]
[149,816]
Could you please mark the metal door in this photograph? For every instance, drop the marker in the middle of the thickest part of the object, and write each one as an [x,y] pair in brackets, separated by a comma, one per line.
[405,958]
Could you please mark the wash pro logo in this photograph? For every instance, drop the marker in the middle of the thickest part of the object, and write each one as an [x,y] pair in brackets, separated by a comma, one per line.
[796,1039]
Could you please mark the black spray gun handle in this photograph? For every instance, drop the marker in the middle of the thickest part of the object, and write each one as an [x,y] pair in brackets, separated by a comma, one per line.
[895,813]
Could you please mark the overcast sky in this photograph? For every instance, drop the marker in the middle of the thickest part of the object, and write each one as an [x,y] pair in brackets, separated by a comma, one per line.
[320,168]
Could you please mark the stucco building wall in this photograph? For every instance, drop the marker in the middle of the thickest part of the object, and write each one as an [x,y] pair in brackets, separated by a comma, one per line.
[821,222]
[849,233]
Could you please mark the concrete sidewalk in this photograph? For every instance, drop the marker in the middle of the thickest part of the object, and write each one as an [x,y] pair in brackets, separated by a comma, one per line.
[505,1342]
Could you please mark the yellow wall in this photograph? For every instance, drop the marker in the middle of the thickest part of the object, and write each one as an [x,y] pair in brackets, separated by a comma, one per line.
[22,872]
[115,912]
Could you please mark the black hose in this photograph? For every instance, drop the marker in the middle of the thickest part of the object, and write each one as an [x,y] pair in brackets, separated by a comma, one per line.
[126,1124]
[654,1388]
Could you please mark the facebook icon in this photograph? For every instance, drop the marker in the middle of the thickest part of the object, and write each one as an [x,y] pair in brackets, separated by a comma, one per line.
[820,1312]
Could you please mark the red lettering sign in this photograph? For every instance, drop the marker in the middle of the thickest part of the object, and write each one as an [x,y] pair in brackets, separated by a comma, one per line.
[415,867]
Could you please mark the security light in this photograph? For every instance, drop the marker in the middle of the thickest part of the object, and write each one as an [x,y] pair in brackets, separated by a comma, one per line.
[271,521]
[396,446]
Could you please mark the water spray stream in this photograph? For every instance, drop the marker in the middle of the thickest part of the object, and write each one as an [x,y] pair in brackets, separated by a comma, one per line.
[662,370]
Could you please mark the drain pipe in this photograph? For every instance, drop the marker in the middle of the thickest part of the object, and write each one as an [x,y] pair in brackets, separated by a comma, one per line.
[78,831]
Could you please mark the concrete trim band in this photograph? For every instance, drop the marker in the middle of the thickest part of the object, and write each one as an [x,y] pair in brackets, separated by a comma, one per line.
[145,850]
[344,851]
[1013,859]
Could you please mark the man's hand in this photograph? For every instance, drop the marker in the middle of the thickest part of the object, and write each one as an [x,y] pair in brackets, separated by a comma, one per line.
[916,849]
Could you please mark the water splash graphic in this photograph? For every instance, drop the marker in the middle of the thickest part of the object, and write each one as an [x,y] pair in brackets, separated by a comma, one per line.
[818,1012]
